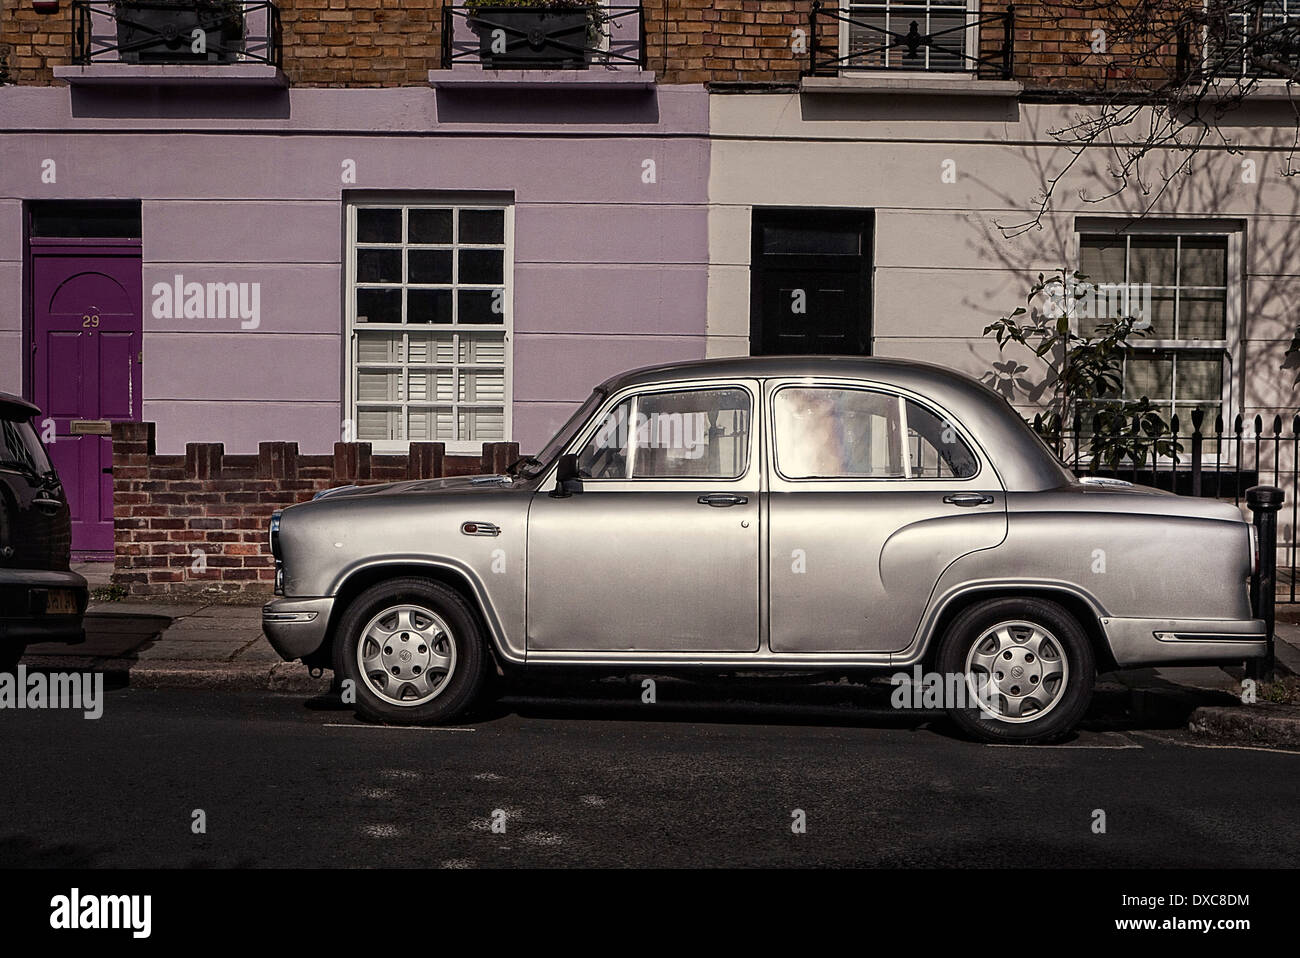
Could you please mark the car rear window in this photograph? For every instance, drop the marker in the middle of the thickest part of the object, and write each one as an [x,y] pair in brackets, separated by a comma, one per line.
[20,448]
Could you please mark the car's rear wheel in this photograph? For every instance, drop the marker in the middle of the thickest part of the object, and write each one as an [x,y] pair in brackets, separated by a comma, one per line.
[413,650]
[10,653]
[1027,670]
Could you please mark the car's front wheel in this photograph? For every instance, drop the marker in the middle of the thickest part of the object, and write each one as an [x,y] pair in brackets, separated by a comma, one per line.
[413,650]
[1027,670]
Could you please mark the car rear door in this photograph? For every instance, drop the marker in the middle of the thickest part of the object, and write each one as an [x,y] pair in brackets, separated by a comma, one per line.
[873,493]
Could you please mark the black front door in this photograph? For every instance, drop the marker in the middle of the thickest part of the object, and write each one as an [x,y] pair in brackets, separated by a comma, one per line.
[811,283]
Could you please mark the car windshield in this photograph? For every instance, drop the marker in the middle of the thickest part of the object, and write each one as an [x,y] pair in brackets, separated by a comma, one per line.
[534,465]
[20,449]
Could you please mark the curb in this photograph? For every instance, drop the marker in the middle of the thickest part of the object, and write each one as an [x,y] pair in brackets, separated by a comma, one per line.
[1262,723]
[228,677]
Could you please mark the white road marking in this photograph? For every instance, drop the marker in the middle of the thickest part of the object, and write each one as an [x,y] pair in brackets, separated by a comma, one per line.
[399,728]
[1244,748]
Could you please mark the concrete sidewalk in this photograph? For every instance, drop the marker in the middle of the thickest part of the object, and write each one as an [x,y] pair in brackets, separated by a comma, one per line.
[178,643]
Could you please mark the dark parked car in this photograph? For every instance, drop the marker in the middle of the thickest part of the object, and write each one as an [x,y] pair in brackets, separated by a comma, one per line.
[41,598]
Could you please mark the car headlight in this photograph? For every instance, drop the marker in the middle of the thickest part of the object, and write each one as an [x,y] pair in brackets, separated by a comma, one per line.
[1254,550]
[273,534]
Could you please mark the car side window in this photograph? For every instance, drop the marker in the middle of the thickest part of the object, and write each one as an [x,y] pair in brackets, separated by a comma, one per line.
[934,449]
[683,434]
[831,432]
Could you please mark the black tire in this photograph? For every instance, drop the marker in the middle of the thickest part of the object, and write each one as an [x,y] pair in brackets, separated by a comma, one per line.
[10,653]
[463,644]
[1048,720]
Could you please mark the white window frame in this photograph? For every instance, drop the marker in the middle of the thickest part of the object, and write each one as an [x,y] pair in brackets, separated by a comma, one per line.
[973,35]
[1230,346]
[505,328]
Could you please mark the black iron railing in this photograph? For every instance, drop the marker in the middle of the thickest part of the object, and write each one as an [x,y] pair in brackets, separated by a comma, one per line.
[1216,460]
[510,37]
[176,32]
[923,37]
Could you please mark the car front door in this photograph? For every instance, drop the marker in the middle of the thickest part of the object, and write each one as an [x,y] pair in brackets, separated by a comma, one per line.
[872,495]
[659,552]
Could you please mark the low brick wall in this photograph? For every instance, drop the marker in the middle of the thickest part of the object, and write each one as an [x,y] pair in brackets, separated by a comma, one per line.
[197,523]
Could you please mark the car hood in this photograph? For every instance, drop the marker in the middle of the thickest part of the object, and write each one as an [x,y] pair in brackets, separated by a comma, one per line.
[484,483]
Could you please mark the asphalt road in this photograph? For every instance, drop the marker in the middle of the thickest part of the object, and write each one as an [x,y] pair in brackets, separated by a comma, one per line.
[609,781]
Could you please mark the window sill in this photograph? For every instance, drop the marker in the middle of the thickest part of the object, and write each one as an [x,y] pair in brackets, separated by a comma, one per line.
[179,74]
[919,84]
[476,78]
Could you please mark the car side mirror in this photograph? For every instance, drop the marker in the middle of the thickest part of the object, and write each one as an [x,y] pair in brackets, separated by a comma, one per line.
[567,481]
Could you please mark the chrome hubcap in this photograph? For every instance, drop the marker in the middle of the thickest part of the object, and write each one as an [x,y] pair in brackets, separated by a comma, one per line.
[1017,672]
[406,655]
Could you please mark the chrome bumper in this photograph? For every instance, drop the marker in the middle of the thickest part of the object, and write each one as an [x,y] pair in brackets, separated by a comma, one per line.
[1187,641]
[296,627]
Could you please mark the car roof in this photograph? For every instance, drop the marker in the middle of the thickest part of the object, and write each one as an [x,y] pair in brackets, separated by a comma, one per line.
[16,407]
[1022,461]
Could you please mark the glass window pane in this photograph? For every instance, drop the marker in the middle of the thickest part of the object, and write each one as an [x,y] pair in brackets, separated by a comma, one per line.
[1101,259]
[481,306]
[481,266]
[935,449]
[379,226]
[605,454]
[1202,316]
[431,385]
[1162,316]
[482,425]
[428,266]
[1199,379]
[428,226]
[1205,261]
[808,241]
[1149,375]
[378,424]
[379,266]
[481,385]
[431,425]
[376,385]
[482,226]
[697,434]
[482,349]
[379,347]
[1152,260]
[837,433]
[379,305]
[431,349]
[428,306]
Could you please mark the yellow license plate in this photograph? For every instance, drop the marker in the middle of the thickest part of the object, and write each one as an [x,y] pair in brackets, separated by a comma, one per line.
[60,602]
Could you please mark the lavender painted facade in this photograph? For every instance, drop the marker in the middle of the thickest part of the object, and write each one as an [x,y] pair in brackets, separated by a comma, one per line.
[606,184]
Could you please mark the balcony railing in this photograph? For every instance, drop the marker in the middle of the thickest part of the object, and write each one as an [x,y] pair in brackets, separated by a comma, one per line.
[1236,47]
[176,32]
[514,37]
[938,36]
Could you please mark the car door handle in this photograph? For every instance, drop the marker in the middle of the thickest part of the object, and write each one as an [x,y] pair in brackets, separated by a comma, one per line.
[968,499]
[49,505]
[722,499]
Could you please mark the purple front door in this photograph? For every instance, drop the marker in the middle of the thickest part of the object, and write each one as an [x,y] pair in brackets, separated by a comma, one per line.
[86,329]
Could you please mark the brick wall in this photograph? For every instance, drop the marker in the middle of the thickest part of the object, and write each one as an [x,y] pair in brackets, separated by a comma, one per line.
[166,507]
[370,43]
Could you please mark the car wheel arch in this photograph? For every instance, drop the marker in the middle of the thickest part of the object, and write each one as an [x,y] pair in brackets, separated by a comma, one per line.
[360,579]
[1081,607]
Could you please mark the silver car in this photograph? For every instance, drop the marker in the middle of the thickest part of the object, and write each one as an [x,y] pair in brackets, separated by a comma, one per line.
[823,514]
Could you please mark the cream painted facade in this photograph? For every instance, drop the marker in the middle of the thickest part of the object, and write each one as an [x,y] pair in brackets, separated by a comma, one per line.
[942,268]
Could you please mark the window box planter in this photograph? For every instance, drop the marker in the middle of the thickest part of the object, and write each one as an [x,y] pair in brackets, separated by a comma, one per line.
[163,31]
[540,37]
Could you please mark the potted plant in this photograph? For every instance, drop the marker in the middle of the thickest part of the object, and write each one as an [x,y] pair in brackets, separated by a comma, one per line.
[163,31]
[536,34]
